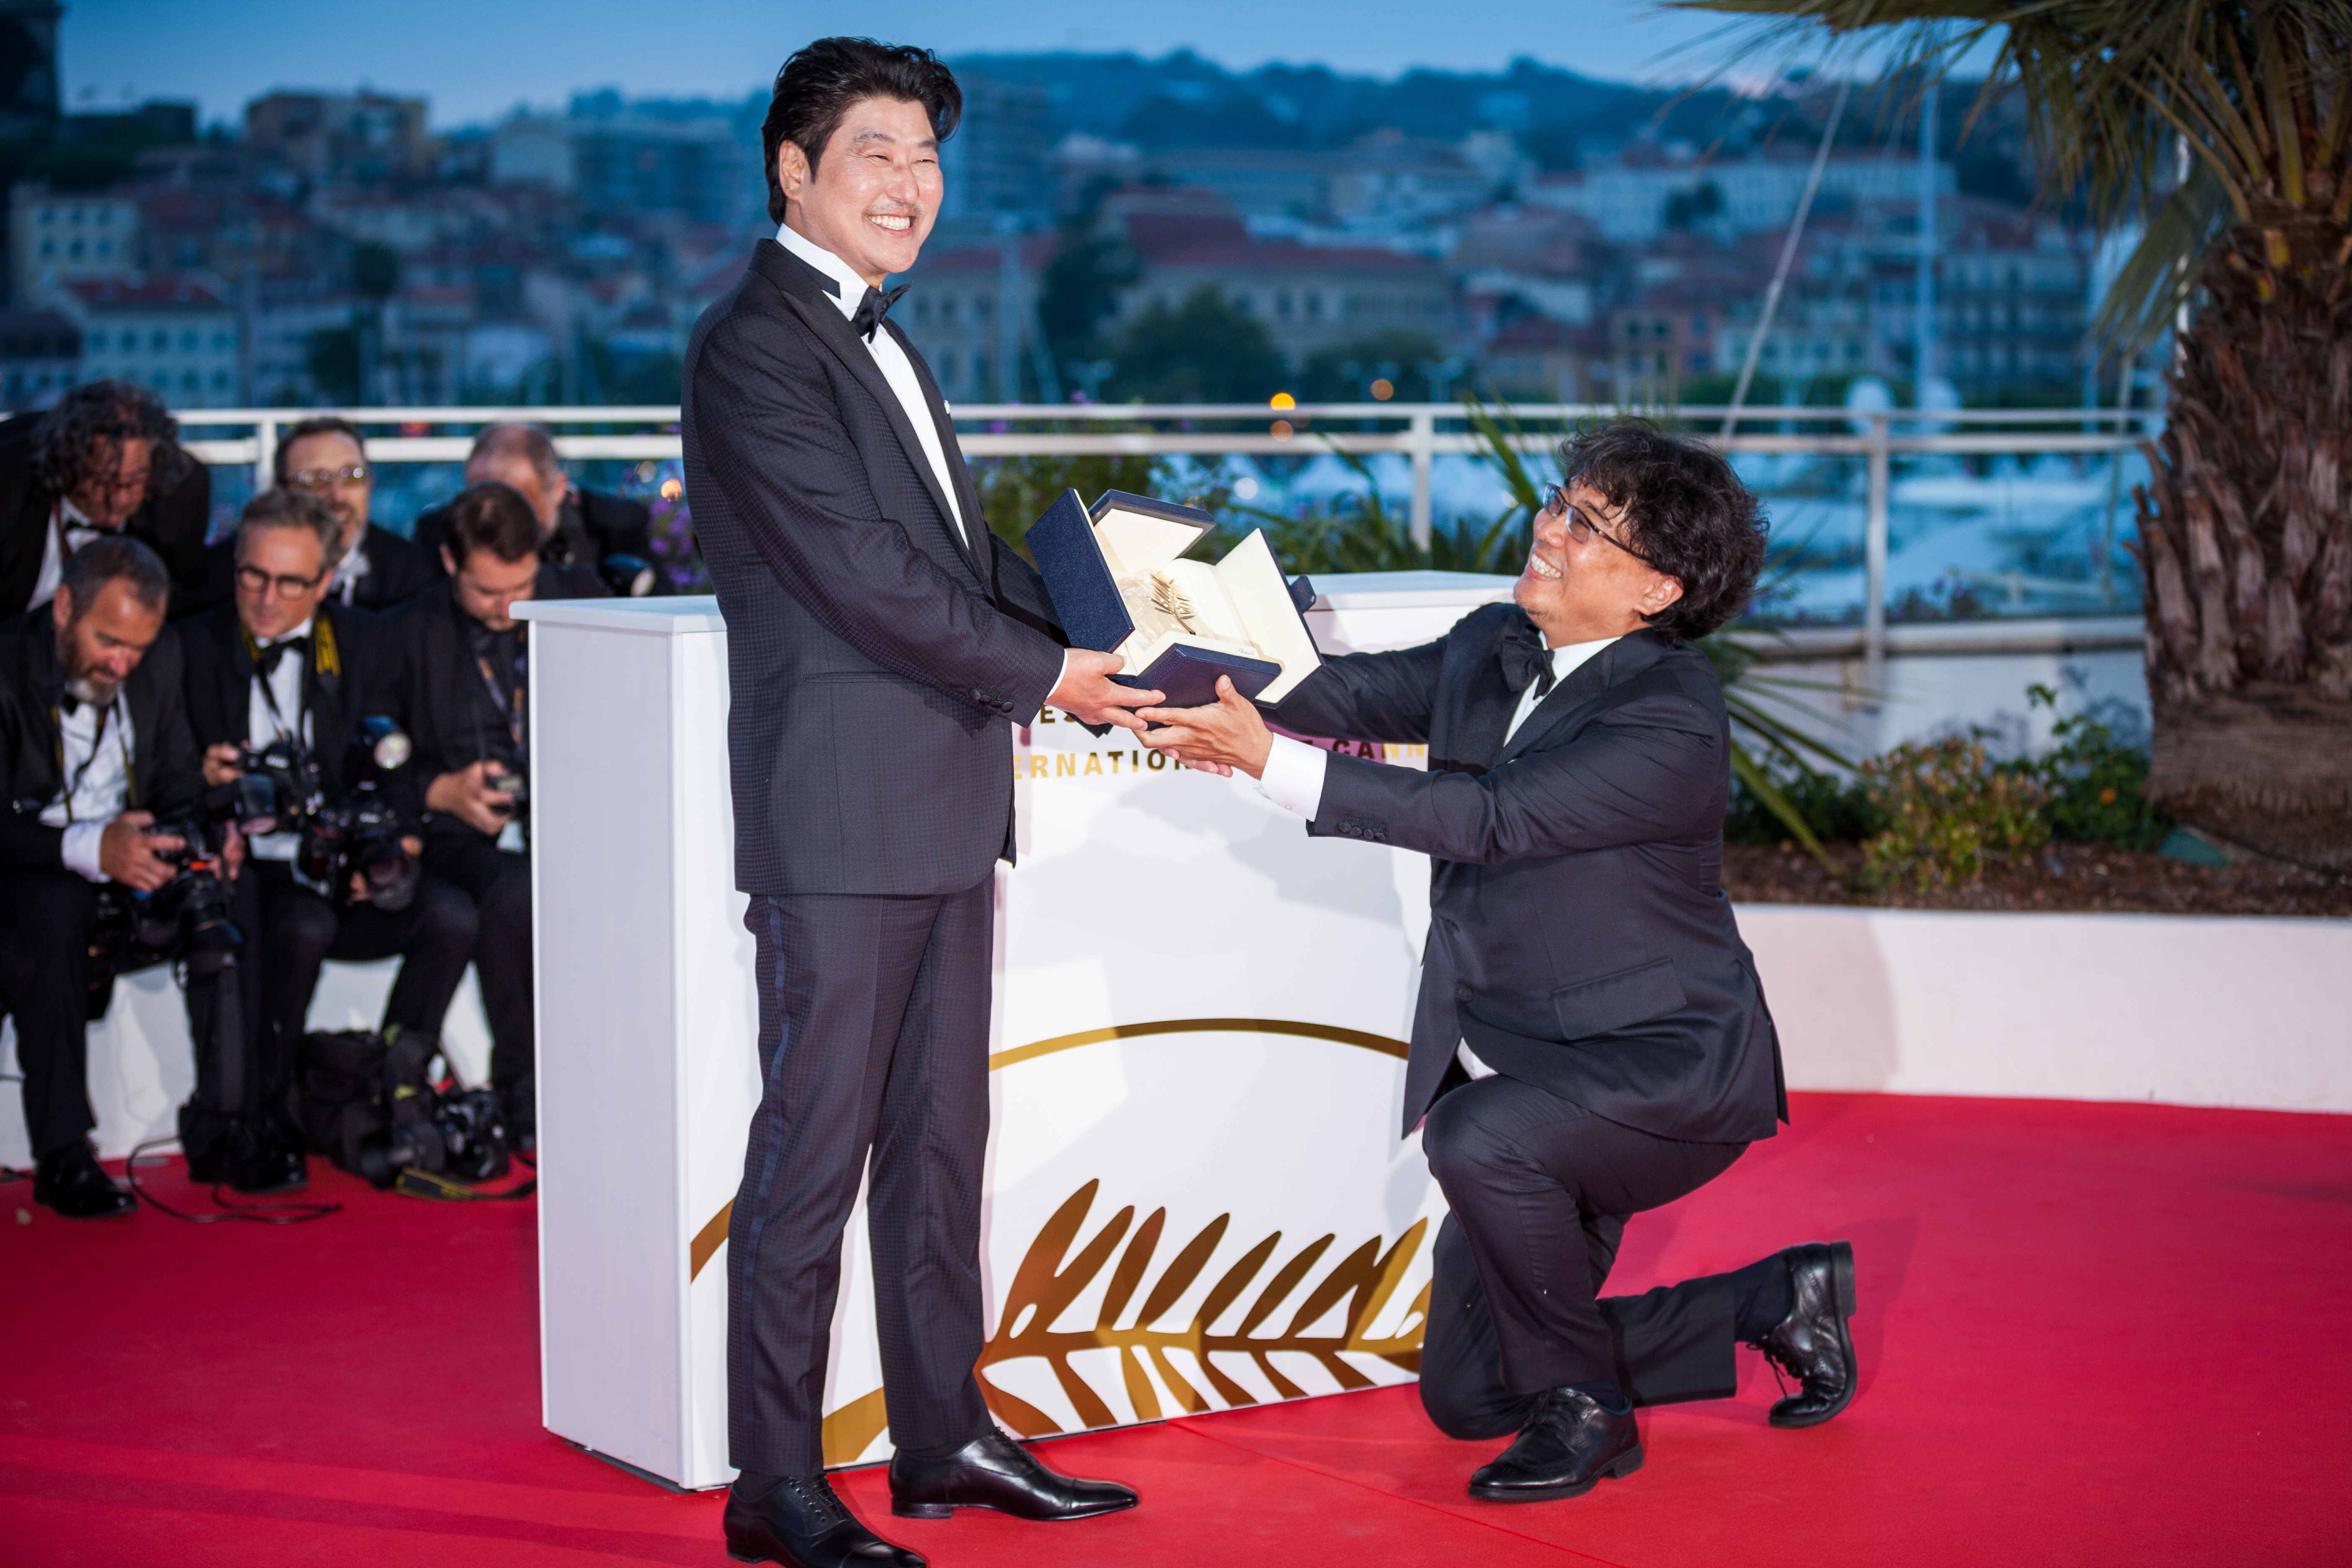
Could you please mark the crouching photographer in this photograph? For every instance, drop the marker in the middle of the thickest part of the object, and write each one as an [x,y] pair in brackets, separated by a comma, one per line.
[467,704]
[106,837]
[291,694]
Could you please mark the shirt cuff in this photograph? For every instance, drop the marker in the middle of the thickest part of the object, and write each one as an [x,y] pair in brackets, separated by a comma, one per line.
[1294,775]
[80,850]
[1059,676]
[1470,1062]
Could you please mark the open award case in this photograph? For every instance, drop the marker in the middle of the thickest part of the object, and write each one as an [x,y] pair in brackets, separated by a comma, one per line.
[1114,573]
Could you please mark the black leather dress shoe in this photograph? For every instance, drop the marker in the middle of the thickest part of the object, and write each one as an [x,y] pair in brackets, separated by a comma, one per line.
[798,1521]
[995,1471]
[1569,1443]
[1811,1343]
[70,1183]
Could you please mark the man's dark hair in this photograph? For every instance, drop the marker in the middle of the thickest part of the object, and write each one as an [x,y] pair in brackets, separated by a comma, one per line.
[282,508]
[111,558]
[321,425]
[493,517]
[1685,512]
[90,425]
[819,83]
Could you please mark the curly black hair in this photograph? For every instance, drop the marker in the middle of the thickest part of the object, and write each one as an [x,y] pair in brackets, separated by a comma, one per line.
[1685,512]
[91,423]
[816,86]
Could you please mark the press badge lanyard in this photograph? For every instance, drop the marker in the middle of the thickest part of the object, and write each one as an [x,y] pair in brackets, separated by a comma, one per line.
[510,708]
[96,739]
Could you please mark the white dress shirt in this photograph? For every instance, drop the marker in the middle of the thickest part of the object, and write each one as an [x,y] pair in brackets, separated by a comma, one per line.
[1293,776]
[899,370]
[350,569]
[263,725]
[78,530]
[891,359]
[97,746]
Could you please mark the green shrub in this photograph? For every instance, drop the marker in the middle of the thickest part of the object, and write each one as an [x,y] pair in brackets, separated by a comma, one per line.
[1838,809]
[2093,781]
[1948,811]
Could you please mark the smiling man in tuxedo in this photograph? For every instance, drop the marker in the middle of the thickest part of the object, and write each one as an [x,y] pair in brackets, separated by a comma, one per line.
[1591,1039]
[881,644]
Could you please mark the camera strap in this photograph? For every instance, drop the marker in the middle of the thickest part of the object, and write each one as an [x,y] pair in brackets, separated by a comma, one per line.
[98,738]
[510,705]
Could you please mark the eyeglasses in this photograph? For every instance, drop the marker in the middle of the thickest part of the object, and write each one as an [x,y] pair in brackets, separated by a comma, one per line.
[327,479]
[258,583]
[1582,528]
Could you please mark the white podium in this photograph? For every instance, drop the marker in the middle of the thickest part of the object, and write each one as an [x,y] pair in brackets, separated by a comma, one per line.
[1196,1197]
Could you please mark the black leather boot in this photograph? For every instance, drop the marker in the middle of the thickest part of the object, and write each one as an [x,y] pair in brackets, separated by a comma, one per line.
[995,1471]
[1811,1344]
[1568,1445]
[250,1159]
[71,1182]
[798,1521]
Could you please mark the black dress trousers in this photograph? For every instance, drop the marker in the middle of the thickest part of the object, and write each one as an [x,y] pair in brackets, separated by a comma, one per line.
[874,1016]
[1539,1190]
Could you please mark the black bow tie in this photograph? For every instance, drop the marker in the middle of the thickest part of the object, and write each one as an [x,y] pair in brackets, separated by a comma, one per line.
[265,660]
[872,308]
[1525,659]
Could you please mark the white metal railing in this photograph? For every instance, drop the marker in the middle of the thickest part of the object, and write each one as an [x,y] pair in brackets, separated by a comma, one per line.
[1202,429]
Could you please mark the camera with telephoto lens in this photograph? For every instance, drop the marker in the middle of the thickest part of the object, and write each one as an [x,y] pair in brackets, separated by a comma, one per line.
[456,1132]
[186,919]
[360,835]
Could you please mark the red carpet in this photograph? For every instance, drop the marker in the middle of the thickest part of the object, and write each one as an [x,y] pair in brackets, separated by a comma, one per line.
[2095,1334]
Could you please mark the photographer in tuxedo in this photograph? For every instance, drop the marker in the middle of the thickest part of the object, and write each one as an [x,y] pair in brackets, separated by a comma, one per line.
[94,749]
[285,660]
[464,663]
[1591,1039]
[876,624]
[106,461]
[577,526]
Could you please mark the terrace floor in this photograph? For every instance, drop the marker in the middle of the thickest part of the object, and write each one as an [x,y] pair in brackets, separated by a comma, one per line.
[2088,1334]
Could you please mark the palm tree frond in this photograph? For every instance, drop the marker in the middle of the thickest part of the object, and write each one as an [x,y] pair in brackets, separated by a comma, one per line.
[2161,272]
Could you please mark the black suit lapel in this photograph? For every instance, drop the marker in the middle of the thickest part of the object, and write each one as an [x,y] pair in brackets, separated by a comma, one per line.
[1627,656]
[803,287]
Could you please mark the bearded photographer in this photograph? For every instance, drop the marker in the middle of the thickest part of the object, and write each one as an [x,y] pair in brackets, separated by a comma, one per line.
[468,705]
[95,741]
[286,663]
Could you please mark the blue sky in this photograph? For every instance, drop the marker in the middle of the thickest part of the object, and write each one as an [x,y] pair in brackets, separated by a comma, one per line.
[476,58]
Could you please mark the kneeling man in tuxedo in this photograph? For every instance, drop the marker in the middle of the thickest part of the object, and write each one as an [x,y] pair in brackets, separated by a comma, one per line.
[1591,1039]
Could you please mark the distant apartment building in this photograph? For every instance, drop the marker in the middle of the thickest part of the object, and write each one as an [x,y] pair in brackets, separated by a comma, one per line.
[177,333]
[1310,298]
[1383,179]
[640,168]
[62,236]
[1536,359]
[362,138]
[2013,300]
[1630,197]
[40,356]
[954,311]
[998,164]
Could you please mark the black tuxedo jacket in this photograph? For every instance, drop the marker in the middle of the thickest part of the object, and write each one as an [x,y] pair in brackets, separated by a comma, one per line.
[876,661]
[397,572]
[165,772]
[342,685]
[437,679]
[172,522]
[1579,938]
[590,525]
